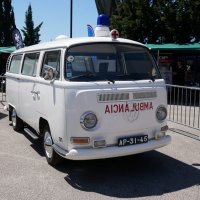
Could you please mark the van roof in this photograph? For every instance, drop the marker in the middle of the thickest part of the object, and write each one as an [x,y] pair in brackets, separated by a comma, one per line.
[64,43]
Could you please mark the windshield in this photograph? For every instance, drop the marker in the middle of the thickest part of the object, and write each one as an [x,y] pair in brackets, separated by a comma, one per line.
[100,62]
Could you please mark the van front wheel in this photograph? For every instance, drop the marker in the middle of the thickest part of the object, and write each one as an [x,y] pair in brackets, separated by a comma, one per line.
[17,123]
[52,157]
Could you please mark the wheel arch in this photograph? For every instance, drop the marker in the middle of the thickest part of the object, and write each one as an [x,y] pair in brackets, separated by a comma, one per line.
[42,124]
[10,109]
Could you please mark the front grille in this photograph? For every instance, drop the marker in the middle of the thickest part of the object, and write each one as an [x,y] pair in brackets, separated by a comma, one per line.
[144,95]
[107,97]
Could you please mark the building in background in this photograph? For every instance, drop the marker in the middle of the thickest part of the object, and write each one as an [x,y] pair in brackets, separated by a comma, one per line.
[4,54]
[179,64]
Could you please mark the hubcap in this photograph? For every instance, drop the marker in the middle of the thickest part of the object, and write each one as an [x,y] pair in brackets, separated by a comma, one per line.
[48,145]
[14,118]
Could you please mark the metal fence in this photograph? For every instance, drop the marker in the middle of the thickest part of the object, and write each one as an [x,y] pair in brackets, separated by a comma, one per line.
[184,105]
[2,88]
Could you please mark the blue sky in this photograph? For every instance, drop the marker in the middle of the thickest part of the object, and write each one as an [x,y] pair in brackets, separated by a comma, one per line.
[55,15]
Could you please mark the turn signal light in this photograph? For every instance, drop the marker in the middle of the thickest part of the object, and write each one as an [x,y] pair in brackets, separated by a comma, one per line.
[99,143]
[164,128]
[80,140]
[159,135]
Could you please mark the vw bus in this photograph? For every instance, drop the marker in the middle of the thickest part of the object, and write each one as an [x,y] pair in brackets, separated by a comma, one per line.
[88,98]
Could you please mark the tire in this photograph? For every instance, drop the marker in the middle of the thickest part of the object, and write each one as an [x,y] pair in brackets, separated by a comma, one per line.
[52,157]
[17,123]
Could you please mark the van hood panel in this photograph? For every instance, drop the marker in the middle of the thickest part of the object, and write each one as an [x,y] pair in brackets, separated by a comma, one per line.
[119,111]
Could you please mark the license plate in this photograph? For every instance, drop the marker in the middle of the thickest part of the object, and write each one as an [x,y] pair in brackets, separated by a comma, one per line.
[132,140]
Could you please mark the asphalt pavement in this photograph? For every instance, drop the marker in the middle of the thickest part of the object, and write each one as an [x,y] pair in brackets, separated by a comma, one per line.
[169,173]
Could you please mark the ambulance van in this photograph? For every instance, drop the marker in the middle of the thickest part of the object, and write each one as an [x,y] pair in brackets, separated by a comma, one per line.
[88,98]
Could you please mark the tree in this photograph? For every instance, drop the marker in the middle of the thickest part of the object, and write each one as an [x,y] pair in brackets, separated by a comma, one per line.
[133,19]
[1,23]
[31,34]
[158,20]
[7,22]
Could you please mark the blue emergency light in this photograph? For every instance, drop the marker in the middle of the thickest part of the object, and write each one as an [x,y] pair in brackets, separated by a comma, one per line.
[102,20]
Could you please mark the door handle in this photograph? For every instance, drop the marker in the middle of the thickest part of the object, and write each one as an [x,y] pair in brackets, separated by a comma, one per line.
[35,92]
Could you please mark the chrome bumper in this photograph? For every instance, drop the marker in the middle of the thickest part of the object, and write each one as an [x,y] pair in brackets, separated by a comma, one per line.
[110,152]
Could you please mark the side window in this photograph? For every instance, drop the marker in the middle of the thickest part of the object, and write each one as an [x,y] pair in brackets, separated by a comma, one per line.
[51,61]
[15,64]
[29,67]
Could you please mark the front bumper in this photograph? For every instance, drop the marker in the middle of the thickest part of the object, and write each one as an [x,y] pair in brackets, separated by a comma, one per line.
[110,152]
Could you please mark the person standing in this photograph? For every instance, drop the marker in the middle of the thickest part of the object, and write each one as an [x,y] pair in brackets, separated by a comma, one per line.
[179,75]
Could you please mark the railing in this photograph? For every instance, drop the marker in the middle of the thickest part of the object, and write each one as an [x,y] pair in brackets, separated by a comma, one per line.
[2,88]
[184,105]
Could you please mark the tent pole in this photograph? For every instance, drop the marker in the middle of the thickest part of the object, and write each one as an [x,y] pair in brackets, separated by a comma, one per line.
[158,57]
[71,15]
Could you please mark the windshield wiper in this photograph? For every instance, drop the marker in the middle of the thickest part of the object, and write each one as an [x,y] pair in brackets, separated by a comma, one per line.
[153,78]
[92,76]
[87,75]
[126,76]
[110,80]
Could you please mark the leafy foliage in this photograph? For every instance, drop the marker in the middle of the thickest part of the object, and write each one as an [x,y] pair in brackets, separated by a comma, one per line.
[31,34]
[7,22]
[158,21]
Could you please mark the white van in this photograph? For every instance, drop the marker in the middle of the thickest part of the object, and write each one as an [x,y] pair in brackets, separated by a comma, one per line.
[88,98]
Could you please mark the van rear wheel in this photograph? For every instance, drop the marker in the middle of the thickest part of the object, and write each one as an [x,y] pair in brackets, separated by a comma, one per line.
[52,157]
[17,123]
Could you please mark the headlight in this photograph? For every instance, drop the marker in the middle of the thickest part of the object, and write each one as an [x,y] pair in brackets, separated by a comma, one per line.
[88,120]
[161,113]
